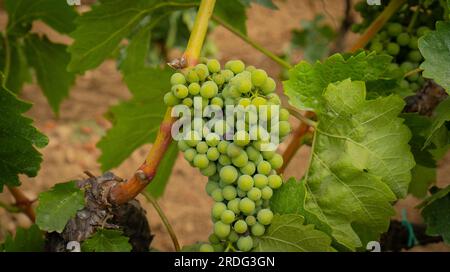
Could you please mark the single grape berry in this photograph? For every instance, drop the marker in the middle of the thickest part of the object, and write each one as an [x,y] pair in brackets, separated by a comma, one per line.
[266,193]
[213,65]
[275,181]
[217,209]
[171,100]
[240,226]
[392,49]
[247,206]
[206,248]
[209,89]
[269,86]
[245,243]
[233,205]
[259,77]
[254,194]
[245,183]
[221,230]
[394,29]
[228,174]
[265,216]
[227,217]
[236,66]
[258,229]
[229,192]
[264,168]
[403,39]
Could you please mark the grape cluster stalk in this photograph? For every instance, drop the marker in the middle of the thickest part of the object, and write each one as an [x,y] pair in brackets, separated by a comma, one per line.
[241,170]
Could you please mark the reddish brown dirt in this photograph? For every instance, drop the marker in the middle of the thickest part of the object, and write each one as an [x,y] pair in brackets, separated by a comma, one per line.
[74,134]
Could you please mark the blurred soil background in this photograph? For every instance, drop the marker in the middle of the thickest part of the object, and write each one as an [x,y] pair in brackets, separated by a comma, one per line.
[75,133]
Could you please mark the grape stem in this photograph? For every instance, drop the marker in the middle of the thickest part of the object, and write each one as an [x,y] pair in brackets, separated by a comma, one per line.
[126,191]
[377,24]
[164,219]
[254,44]
[412,72]
[23,202]
[413,20]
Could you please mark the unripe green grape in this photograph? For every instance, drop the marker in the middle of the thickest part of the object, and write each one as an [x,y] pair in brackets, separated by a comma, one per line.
[413,43]
[233,205]
[248,169]
[259,101]
[212,154]
[284,114]
[227,74]
[217,101]
[265,216]
[394,29]
[210,170]
[188,102]
[177,78]
[234,92]
[244,102]
[250,220]
[209,89]
[392,49]
[245,243]
[217,209]
[376,46]
[233,150]
[222,146]
[229,192]
[241,160]
[180,91]
[247,206]
[240,226]
[260,181]
[254,194]
[221,230]
[206,248]
[202,147]
[275,181]
[259,77]
[276,161]
[171,100]
[258,230]
[233,237]
[274,99]
[422,31]
[213,65]
[189,154]
[284,128]
[241,138]
[244,86]
[193,138]
[182,145]
[266,193]
[407,66]
[245,183]
[227,217]
[213,239]
[236,66]
[211,186]
[269,86]
[194,88]
[217,195]
[413,77]
[228,174]
[252,153]
[218,248]
[224,160]
[202,71]
[267,155]
[264,168]
[250,68]
[201,161]
[403,39]
[415,56]
[192,76]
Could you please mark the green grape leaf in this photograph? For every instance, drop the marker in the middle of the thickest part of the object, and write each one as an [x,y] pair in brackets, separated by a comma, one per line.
[287,233]
[360,162]
[437,217]
[18,141]
[314,37]
[159,183]
[233,13]
[58,205]
[441,115]
[265,3]
[136,122]
[26,240]
[307,82]
[106,240]
[435,48]
[286,199]
[100,30]
[55,13]
[49,61]
[18,67]
[421,179]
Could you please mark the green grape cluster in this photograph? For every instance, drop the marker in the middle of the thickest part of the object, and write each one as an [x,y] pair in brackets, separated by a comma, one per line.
[399,37]
[241,174]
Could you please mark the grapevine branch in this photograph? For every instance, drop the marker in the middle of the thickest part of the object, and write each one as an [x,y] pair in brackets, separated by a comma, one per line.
[23,202]
[126,191]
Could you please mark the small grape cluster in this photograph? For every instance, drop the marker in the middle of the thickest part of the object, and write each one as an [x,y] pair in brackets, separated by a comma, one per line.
[241,175]
[399,37]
